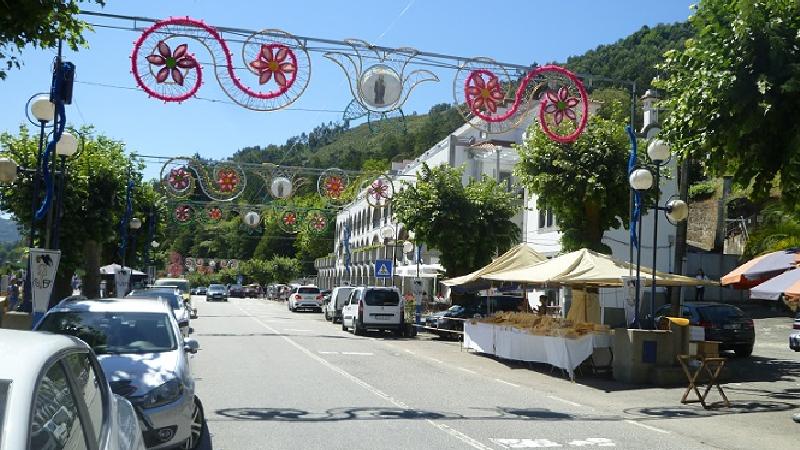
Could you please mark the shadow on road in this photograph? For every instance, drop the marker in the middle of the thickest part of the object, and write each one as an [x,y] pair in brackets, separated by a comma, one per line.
[690,412]
[380,413]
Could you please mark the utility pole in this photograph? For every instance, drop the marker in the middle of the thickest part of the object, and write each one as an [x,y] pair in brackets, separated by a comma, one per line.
[680,235]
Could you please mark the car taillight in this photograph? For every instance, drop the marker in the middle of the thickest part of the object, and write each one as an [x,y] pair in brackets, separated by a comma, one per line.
[749,324]
[297,297]
[360,307]
[797,325]
[319,297]
[705,324]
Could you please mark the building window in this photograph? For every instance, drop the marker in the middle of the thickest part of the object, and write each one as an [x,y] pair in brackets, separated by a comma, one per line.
[545,218]
[505,180]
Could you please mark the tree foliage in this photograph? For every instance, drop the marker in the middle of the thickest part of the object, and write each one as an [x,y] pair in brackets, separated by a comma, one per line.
[584,183]
[39,23]
[733,90]
[467,224]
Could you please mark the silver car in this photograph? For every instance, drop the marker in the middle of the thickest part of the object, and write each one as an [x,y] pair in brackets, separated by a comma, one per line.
[173,297]
[53,394]
[145,358]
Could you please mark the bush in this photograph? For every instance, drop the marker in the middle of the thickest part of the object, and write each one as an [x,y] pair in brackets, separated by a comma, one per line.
[702,190]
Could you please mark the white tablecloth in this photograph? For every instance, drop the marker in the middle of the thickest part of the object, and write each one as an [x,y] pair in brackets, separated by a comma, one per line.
[513,343]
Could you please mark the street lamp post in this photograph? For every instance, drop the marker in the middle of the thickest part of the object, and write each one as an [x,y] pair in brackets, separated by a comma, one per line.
[640,180]
[387,233]
[65,147]
[134,224]
[659,153]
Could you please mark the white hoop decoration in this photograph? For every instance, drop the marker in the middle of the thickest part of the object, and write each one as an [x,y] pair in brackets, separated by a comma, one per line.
[252,219]
[281,187]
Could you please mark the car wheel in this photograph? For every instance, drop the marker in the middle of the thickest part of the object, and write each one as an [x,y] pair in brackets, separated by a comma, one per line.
[344,327]
[327,316]
[743,351]
[198,426]
[358,331]
[399,332]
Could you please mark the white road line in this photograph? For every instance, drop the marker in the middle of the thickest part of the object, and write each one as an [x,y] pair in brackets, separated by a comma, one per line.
[506,382]
[409,351]
[434,359]
[358,353]
[466,370]
[328,353]
[559,399]
[647,427]
[445,428]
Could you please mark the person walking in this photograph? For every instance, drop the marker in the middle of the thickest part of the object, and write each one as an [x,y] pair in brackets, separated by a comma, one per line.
[13,295]
[542,309]
[700,291]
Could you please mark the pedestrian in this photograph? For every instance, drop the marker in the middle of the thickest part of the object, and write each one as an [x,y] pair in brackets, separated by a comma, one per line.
[700,290]
[542,309]
[13,295]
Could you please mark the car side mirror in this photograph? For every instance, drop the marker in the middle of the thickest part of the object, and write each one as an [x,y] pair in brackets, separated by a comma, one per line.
[190,345]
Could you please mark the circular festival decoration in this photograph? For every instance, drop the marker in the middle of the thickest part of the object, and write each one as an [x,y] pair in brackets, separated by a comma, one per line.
[281,187]
[317,221]
[332,184]
[220,181]
[252,219]
[289,221]
[492,105]
[164,67]
[183,213]
[214,213]
[379,191]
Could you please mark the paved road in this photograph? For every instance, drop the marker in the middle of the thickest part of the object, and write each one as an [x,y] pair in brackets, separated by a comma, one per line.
[272,379]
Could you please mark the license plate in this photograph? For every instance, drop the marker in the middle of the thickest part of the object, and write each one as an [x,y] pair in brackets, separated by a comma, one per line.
[732,326]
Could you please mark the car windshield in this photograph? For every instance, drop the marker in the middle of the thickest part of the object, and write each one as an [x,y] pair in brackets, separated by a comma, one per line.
[454,308]
[342,294]
[382,298]
[173,300]
[720,313]
[115,332]
[4,386]
[308,290]
[182,285]
[216,288]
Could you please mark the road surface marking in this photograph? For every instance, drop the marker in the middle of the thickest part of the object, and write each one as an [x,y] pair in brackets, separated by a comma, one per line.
[328,353]
[525,443]
[434,359]
[559,399]
[466,370]
[409,351]
[648,427]
[591,442]
[506,382]
[358,353]
[445,428]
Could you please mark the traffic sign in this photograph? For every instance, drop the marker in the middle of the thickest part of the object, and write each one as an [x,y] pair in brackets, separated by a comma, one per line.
[383,268]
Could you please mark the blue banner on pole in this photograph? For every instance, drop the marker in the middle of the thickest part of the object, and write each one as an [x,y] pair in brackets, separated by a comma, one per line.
[383,268]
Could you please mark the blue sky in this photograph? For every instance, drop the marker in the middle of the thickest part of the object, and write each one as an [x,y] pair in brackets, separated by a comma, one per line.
[512,31]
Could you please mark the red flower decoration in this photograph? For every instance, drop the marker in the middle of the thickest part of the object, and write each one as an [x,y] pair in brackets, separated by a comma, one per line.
[275,61]
[379,190]
[484,95]
[179,179]
[319,223]
[173,62]
[183,213]
[560,105]
[334,186]
[215,214]
[227,179]
[290,219]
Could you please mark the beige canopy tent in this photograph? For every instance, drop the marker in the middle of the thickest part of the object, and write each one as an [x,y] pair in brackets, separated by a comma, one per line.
[588,268]
[518,257]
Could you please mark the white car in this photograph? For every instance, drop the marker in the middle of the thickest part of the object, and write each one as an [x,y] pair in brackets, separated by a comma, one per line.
[305,297]
[374,308]
[53,394]
[339,296]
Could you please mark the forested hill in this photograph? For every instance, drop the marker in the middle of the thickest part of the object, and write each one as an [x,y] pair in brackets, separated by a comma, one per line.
[335,145]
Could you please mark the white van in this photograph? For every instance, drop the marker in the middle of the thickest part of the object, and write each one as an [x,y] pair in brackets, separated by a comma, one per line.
[374,308]
[339,297]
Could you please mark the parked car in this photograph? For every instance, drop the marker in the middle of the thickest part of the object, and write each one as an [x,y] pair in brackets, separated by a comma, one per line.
[216,292]
[144,358]
[726,324]
[182,285]
[175,301]
[337,300]
[444,320]
[794,337]
[305,297]
[252,290]
[53,394]
[236,291]
[373,308]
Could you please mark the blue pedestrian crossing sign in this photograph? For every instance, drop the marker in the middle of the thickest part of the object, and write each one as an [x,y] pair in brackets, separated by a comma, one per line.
[383,268]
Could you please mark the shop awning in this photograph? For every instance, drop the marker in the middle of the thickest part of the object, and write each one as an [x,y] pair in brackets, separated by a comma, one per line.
[762,268]
[517,257]
[112,268]
[787,283]
[586,267]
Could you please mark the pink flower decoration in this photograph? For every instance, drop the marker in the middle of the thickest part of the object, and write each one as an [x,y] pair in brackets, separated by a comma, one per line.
[560,105]
[484,95]
[179,179]
[271,62]
[334,186]
[173,62]
[183,213]
[319,223]
[378,190]
[227,180]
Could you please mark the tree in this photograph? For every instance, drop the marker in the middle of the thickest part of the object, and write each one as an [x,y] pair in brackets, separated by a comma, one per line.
[40,23]
[584,183]
[733,90]
[467,224]
[93,200]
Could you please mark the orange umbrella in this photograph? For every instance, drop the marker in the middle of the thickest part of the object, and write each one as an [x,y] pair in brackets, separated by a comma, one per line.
[762,268]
